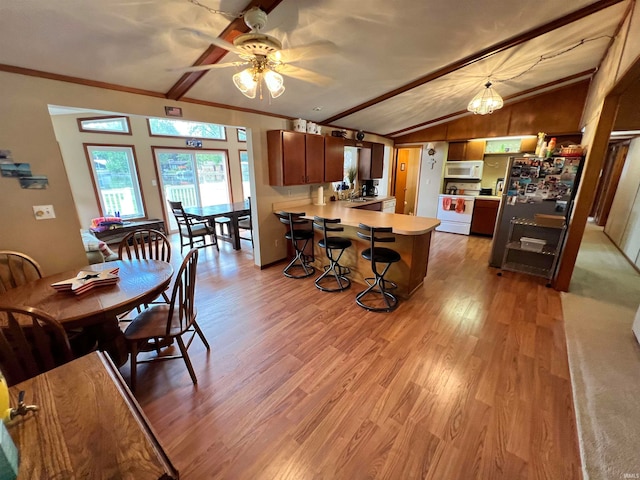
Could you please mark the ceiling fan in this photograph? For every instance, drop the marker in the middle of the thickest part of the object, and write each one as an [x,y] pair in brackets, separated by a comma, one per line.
[264,57]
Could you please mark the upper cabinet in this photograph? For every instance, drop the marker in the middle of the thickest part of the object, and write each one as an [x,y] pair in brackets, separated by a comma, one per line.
[333,159]
[371,161]
[295,158]
[471,150]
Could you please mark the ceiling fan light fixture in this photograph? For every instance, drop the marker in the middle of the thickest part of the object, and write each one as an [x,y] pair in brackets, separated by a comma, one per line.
[486,101]
[246,83]
[274,82]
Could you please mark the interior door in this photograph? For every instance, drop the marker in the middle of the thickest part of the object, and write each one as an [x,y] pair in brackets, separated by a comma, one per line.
[401,178]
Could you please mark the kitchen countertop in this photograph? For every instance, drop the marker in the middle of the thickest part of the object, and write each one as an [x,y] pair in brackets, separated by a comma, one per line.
[401,224]
[488,197]
[359,202]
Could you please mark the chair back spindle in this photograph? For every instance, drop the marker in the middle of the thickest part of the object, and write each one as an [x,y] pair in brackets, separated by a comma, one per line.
[31,342]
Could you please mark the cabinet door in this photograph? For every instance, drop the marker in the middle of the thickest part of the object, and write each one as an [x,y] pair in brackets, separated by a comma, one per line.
[485,213]
[364,164]
[377,160]
[457,150]
[475,150]
[293,158]
[314,158]
[333,159]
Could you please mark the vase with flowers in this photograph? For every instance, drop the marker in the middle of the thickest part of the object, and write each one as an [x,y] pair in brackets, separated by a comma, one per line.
[352,173]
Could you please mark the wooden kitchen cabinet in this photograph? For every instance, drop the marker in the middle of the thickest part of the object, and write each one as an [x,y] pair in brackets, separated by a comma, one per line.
[371,161]
[471,150]
[333,159]
[295,158]
[475,150]
[457,151]
[485,212]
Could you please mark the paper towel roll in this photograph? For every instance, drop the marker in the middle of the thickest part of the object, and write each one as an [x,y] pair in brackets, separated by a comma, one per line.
[320,197]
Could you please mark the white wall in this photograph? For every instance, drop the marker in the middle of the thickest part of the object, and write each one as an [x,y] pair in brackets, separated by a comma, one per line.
[430,181]
[623,223]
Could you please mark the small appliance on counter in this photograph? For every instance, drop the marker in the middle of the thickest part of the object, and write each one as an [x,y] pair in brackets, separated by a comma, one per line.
[369,188]
[486,191]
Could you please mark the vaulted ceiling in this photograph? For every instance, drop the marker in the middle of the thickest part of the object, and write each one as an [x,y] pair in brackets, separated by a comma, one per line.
[386,67]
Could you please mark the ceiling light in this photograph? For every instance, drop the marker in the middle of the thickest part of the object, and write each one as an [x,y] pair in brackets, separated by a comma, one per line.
[486,101]
[250,79]
[246,83]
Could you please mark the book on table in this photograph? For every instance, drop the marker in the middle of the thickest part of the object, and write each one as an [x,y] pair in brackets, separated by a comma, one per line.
[86,280]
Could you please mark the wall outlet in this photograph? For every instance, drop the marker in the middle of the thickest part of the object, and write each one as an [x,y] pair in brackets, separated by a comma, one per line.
[44,212]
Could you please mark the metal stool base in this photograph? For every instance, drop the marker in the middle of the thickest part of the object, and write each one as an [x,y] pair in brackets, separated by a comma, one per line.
[378,286]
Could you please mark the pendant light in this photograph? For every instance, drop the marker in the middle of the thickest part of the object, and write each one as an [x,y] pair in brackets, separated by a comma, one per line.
[486,101]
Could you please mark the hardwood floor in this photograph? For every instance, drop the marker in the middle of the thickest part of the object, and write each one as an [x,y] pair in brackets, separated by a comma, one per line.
[466,380]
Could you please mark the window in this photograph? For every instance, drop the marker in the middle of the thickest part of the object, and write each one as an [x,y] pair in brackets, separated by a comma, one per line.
[167,127]
[118,125]
[115,179]
[244,169]
[242,134]
[197,178]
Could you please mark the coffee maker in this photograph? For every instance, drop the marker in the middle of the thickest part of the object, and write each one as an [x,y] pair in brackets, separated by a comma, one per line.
[369,188]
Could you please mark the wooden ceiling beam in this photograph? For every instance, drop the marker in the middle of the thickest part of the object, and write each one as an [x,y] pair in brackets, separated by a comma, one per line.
[515,96]
[214,54]
[482,54]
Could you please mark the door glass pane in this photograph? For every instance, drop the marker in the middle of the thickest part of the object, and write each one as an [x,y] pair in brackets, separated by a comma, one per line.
[244,168]
[197,179]
[212,172]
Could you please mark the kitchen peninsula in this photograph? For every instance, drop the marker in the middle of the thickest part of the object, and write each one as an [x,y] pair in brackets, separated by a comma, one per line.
[413,239]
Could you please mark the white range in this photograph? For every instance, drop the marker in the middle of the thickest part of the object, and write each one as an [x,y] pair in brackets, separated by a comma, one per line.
[455,211]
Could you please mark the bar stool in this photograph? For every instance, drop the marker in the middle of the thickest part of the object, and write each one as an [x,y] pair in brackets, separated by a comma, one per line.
[378,285]
[299,237]
[332,245]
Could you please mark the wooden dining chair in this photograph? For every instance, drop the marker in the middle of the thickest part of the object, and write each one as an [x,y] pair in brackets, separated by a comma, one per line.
[17,269]
[146,244]
[192,231]
[172,321]
[245,223]
[31,342]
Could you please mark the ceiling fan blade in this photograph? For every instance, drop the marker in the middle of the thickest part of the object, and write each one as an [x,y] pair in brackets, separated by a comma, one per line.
[217,41]
[304,75]
[211,66]
[305,52]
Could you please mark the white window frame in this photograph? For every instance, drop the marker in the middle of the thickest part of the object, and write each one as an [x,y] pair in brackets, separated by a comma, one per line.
[84,124]
[102,197]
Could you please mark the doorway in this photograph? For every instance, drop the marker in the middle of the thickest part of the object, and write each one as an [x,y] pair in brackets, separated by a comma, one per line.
[407,175]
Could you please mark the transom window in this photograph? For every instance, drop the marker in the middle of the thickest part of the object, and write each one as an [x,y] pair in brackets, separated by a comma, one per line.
[118,125]
[115,178]
[167,127]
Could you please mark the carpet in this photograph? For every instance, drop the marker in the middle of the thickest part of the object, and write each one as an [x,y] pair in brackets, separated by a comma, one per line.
[604,358]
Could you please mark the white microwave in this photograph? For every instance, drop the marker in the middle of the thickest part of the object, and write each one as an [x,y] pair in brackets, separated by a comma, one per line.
[470,169]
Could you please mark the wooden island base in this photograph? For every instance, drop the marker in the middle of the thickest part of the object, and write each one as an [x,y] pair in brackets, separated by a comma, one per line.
[408,273]
[413,240]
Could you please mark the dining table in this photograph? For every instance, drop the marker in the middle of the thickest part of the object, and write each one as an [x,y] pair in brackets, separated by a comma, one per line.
[87,425]
[140,282]
[233,211]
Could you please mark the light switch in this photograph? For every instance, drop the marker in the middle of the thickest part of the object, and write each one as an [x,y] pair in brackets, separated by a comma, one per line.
[154,183]
[44,212]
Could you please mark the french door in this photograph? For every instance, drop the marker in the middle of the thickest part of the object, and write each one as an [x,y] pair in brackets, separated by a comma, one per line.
[197,178]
